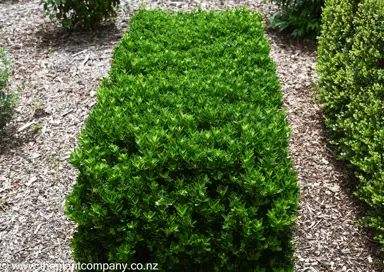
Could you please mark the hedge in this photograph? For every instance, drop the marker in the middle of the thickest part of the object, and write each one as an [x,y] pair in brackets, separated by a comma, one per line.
[184,160]
[351,65]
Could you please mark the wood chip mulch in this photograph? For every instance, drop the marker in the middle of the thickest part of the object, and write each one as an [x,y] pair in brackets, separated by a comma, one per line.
[58,75]
[327,237]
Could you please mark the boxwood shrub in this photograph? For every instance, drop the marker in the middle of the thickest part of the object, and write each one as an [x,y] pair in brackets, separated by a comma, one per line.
[351,64]
[7,98]
[184,159]
[80,14]
[300,17]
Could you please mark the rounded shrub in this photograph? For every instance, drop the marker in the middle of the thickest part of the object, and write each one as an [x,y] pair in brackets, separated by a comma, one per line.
[351,65]
[299,17]
[80,14]
[7,98]
[184,160]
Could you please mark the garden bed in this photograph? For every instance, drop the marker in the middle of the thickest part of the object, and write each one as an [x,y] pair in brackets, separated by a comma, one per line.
[62,72]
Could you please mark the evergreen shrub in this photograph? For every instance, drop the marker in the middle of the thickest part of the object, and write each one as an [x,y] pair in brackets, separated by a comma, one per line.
[300,17]
[184,159]
[351,65]
[7,98]
[80,14]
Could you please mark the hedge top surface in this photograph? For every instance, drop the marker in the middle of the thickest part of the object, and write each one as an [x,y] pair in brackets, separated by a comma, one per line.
[184,159]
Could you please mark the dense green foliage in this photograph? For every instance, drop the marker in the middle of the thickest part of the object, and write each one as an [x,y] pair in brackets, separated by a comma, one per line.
[351,64]
[184,159]
[300,17]
[7,99]
[80,14]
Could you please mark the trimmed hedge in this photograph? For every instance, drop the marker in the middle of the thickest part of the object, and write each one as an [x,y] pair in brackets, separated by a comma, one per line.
[184,159]
[351,65]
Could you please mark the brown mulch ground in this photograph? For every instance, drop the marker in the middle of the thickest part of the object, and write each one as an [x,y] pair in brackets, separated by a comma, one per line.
[326,234]
[59,74]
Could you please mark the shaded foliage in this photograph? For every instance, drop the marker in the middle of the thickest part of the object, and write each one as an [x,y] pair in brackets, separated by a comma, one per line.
[80,15]
[299,17]
[351,65]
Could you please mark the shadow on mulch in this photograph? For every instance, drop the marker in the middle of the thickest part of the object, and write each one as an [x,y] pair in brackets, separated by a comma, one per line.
[306,45]
[349,186]
[11,139]
[348,183]
[50,37]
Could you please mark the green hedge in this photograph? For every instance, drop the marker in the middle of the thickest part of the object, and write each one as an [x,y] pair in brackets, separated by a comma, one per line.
[184,159]
[299,17]
[351,65]
[80,14]
[7,98]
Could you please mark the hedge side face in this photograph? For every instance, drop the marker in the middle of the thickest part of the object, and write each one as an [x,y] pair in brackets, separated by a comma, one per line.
[351,64]
[183,161]
[335,45]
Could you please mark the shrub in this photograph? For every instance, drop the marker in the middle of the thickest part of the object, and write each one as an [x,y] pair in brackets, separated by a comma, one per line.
[300,17]
[334,52]
[7,99]
[183,160]
[351,64]
[83,15]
